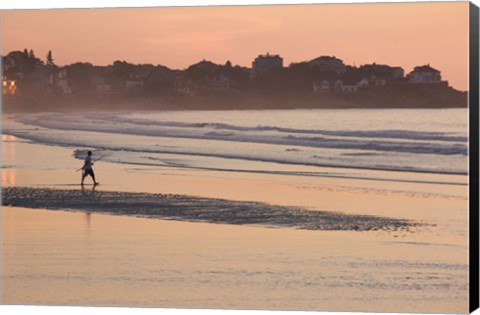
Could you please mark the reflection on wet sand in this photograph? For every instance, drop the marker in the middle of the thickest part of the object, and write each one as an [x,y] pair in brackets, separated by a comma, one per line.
[53,257]
[8,160]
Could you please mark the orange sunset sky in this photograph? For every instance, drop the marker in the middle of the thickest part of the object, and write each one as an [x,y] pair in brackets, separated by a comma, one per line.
[403,34]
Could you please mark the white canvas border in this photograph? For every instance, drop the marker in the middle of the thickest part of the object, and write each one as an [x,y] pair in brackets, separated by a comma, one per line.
[50,4]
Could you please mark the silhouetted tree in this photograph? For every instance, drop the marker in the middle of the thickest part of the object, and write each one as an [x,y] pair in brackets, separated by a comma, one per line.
[24,64]
[79,77]
[50,58]
[122,70]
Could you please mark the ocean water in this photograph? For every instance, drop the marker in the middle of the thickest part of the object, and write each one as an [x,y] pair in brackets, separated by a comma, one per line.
[278,141]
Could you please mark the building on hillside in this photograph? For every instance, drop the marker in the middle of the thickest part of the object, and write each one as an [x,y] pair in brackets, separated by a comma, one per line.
[98,80]
[206,67]
[424,75]
[9,87]
[183,85]
[210,77]
[328,64]
[323,87]
[8,63]
[219,83]
[100,85]
[377,81]
[398,72]
[134,84]
[363,83]
[338,86]
[161,80]
[381,72]
[40,76]
[265,64]
[60,82]
[345,84]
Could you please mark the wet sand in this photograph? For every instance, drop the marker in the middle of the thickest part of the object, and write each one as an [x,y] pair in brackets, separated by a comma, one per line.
[67,258]
[226,265]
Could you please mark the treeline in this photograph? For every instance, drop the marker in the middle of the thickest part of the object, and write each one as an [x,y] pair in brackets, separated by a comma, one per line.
[42,85]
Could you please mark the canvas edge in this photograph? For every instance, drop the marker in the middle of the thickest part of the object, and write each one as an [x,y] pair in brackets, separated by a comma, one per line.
[474,117]
[474,157]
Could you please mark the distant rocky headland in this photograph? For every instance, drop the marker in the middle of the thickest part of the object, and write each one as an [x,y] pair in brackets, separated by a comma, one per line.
[32,84]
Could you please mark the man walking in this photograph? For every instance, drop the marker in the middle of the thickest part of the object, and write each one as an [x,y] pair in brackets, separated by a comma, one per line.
[87,168]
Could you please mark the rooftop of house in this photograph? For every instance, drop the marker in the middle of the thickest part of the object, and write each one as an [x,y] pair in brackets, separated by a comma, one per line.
[205,64]
[326,58]
[425,68]
[269,56]
[378,68]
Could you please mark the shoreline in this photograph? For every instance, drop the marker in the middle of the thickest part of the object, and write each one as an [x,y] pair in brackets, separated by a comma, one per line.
[148,106]
[55,167]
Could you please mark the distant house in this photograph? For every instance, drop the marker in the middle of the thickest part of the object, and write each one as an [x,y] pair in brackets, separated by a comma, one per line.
[9,87]
[352,81]
[126,78]
[377,81]
[208,77]
[328,64]
[98,81]
[134,84]
[100,84]
[60,82]
[40,76]
[184,86]
[265,64]
[8,63]
[349,86]
[345,84]
[161,80]
[16,65]
[363,83]
[203,71]
[424,75]
[205,67]
[219,83]
[338,86]
[398,72]
[381,73]
[323,87]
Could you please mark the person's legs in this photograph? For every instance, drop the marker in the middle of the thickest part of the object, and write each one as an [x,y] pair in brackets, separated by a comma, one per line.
[93,177]
[90,172]
[84,174]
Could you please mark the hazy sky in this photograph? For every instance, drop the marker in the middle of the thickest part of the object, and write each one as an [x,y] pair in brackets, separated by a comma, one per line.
[404,34]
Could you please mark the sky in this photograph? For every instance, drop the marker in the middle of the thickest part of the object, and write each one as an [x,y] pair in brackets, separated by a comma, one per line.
[397,34]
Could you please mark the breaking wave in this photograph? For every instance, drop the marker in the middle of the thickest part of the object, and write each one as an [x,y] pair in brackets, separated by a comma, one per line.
[257,137]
